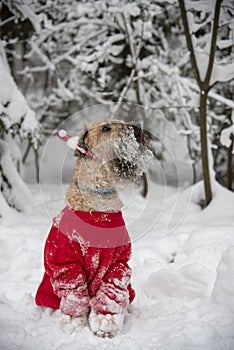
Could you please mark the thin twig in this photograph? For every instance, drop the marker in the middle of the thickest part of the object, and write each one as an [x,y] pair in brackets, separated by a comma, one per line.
[2,23]
[123,93]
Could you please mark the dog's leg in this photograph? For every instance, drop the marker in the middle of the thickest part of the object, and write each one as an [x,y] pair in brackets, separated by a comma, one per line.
[68,323]
[105,325]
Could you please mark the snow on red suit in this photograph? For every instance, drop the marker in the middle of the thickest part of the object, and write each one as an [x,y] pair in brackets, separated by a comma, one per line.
[86,264]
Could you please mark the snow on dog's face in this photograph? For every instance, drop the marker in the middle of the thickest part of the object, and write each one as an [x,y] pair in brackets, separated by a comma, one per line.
[132,155]
[121,146]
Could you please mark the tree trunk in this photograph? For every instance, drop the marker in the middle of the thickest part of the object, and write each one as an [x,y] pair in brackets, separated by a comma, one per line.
[26,152]
[194,173]
[204,146]
[37,166]
[204,86]
[145,185]
[229,165]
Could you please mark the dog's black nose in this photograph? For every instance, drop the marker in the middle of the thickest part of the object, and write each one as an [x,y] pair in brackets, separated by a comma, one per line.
[137,132]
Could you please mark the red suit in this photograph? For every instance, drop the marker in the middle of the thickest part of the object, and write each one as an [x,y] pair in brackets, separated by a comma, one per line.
[86,264]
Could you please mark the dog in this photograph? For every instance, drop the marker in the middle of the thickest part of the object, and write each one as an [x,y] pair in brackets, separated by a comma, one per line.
[87,276]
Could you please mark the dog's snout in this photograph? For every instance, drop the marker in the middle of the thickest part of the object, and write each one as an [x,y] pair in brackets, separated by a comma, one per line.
[137,132]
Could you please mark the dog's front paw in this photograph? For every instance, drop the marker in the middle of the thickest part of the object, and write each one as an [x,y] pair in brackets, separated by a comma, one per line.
[70,324]
[105,325]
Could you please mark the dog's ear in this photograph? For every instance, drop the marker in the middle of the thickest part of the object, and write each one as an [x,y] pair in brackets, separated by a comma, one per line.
[82,144]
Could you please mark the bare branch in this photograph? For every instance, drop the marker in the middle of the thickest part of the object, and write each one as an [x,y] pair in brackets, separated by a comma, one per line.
[229,103]
[213,44]
[189,42]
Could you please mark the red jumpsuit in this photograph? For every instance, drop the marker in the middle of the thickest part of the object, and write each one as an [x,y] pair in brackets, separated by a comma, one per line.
[86,264]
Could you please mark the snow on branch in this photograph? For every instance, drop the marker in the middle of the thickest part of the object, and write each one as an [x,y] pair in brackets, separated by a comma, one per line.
[229,103]
[16,116]
[23,10]
[15,190]
[16,119]
[220,73]
[227,134]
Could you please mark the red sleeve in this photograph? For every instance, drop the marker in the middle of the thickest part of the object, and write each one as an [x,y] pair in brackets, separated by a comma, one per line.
[113,295]
[64,265]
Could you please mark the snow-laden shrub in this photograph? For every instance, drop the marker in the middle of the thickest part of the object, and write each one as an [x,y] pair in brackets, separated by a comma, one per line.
[17,120]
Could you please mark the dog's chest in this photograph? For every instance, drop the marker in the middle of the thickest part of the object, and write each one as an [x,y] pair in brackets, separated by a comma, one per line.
[96,240]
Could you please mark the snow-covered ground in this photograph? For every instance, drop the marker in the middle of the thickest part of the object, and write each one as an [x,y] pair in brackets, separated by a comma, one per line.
[183,274]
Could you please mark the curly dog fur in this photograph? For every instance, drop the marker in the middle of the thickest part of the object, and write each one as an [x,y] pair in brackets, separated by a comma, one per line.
[87,276]
[94,174]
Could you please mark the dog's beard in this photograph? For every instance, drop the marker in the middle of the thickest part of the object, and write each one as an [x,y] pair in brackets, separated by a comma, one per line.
[131,158]
[123,161]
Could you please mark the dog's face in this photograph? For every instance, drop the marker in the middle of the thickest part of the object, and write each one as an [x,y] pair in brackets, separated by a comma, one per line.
[97,133]
[121,146]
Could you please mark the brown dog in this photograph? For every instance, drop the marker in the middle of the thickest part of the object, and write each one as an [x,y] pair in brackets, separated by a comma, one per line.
[87,276]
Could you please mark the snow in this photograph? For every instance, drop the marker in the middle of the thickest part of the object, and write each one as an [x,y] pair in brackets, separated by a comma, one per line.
[223,292]
[183,278]
[106,324]
[220,73]
[14,108]
[18,195]
[226,135]
[129,151]
[16,119]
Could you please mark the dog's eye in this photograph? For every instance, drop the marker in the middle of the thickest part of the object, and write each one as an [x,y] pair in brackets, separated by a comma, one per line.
[106,128]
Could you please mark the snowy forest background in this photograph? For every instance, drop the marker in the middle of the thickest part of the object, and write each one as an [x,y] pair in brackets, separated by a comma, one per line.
[59,57]
[170,66]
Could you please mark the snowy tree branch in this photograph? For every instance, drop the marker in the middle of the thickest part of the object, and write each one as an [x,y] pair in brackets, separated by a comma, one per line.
[10,19]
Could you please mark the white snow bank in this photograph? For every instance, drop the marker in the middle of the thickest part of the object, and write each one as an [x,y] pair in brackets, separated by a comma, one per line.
[223,292]
[220,210]
[188,282]
[183,279]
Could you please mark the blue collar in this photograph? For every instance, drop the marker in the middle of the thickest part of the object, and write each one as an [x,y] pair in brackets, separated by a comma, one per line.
[96,190]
